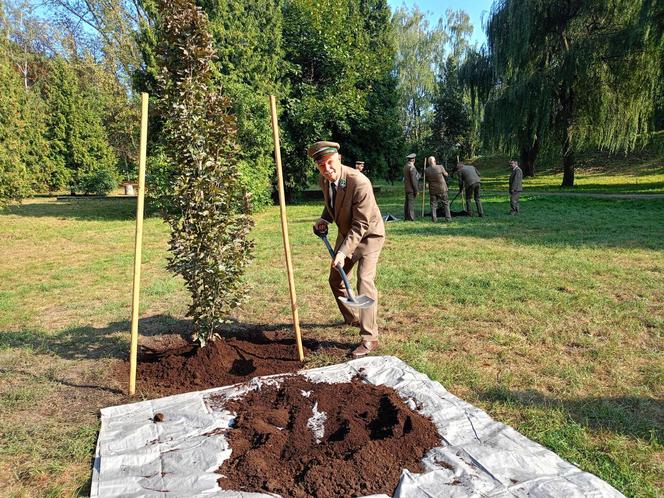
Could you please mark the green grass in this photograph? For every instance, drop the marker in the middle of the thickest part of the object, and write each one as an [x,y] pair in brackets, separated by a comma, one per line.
[552,321]
[639,172]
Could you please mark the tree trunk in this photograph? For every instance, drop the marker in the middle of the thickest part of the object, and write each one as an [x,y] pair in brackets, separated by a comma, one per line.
[567,103]
[528,157]
[568,168]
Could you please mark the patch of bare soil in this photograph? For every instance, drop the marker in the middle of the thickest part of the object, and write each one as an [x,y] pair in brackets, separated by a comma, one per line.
[170,364]
[304,439]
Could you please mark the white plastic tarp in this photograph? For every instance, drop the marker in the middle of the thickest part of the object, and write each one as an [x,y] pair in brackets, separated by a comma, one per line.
[179,456]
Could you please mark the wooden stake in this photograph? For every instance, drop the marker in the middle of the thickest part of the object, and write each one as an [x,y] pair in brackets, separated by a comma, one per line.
[138,244]
[284,227]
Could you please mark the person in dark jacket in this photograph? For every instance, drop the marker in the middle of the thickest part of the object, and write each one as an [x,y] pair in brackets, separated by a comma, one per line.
[435,175]
[410,179]
[516,186]
[469,180]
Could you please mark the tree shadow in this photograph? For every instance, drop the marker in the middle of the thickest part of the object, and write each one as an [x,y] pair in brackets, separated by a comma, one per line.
[110,209]
[87,342]
[636,187]
[52,377]
[556,222]
[635,416]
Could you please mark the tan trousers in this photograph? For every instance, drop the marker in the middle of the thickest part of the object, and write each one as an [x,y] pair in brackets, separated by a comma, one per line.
[366,274]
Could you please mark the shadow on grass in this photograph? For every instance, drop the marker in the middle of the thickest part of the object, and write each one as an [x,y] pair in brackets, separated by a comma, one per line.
[113,209]
[635,416]
[557,222]
[637,187]
[81,343]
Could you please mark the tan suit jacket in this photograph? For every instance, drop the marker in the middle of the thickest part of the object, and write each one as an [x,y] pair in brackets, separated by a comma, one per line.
[435,178]
[361,228]
[410,178]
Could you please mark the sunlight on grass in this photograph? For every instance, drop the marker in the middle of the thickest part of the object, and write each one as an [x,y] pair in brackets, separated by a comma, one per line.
[551,321]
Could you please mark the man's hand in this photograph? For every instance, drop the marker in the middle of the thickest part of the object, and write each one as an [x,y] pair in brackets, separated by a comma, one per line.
[339,260]
[320,226]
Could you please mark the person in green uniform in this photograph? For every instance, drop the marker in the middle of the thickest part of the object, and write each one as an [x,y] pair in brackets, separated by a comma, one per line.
[410,179]
[469,181]
[516,186]
[435,175]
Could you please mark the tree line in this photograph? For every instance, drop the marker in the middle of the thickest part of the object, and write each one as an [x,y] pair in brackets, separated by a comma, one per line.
[553,76]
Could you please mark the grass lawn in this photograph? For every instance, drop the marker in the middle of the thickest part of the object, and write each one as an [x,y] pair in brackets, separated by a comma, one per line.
[552,321]
[641,171]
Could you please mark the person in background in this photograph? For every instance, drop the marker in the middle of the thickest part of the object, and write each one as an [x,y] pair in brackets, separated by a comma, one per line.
[435,175]
[516,186]
[410,179]
[359,166]
[469,180]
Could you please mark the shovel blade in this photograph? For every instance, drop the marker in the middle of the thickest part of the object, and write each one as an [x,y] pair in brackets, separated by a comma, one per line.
[361,302]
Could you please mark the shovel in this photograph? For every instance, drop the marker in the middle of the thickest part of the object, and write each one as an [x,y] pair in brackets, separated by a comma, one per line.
[352,300]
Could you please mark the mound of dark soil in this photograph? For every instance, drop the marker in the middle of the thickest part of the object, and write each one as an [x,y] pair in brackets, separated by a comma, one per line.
[170,364]
[368,436]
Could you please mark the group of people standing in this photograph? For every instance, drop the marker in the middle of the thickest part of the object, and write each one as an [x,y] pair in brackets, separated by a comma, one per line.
[435,175]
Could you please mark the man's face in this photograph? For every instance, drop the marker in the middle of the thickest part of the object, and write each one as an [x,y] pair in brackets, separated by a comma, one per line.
[359,167]
[330,167]
[512,164]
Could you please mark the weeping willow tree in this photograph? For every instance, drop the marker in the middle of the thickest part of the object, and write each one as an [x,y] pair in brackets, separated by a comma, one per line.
[574,72]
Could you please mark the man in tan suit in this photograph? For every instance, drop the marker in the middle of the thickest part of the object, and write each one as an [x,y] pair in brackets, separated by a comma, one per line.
[350,203]
[410,179]
[435,176]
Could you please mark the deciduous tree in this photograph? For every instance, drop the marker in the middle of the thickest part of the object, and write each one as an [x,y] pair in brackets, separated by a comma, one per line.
[209,229]
[420,54]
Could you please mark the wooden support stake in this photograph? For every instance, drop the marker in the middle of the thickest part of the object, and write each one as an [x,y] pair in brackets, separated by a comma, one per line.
[137,248]
[284,227]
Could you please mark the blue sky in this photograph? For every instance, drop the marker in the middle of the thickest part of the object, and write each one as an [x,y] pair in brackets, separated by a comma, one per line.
[477,9]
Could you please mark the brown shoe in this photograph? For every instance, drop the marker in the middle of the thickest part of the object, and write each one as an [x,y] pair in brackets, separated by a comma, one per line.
[365,348]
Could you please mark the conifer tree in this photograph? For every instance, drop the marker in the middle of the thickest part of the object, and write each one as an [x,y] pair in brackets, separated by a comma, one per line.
[25,166]
[452,131]
[77,139]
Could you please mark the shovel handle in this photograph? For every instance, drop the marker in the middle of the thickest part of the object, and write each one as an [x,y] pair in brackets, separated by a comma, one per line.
[328,245]
[339,267]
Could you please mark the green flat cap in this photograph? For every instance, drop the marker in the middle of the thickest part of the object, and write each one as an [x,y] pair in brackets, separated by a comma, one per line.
[411,156]
[322,149]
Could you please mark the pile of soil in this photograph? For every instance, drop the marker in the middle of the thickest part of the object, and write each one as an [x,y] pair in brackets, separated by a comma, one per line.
[357,443]
[171,364]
